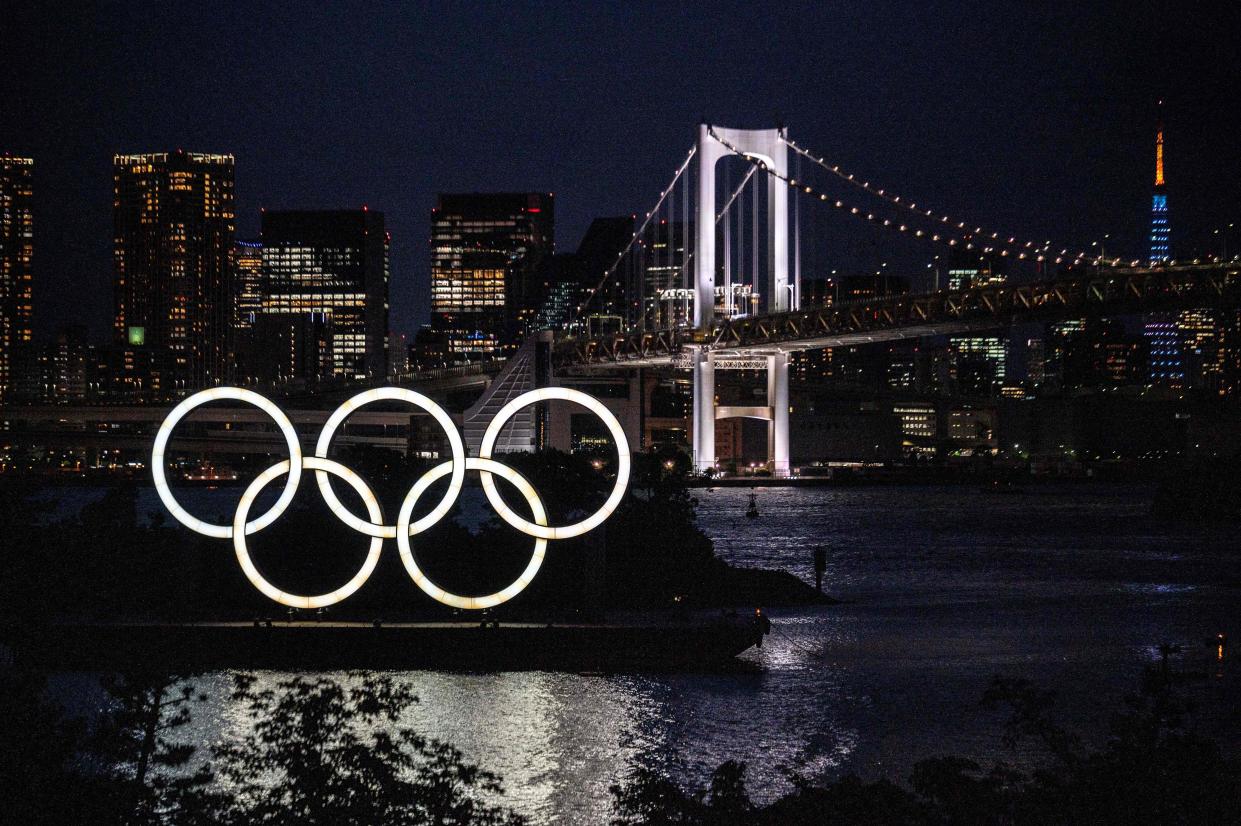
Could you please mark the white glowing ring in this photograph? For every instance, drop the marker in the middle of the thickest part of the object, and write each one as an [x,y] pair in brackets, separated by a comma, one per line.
[243,554]
[404,530]
[161,443]
[622,462]
[417,400]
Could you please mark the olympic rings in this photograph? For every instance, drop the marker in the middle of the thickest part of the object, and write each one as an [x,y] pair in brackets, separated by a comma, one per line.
[374,527]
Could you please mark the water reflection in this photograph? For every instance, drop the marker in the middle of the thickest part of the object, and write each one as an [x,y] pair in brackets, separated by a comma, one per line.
[945,588]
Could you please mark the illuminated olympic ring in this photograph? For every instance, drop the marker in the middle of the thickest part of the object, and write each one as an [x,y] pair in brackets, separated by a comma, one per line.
[374,527]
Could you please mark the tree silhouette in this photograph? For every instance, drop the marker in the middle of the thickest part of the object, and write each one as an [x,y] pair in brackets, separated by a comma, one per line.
[323,753]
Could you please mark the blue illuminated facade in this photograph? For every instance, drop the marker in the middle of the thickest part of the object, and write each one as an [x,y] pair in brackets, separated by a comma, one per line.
[1163,341]
[1159,229]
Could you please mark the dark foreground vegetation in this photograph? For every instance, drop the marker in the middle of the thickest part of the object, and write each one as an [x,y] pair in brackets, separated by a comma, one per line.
[110,562]
[313,750]
[1151,769]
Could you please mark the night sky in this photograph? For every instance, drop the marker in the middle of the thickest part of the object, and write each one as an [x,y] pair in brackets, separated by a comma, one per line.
[1035,121]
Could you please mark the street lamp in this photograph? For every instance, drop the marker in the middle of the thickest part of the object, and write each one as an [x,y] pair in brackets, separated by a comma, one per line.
[1223,233]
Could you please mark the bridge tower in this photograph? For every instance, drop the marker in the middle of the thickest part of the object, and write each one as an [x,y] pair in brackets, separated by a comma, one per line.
[781,294]
[1160,247]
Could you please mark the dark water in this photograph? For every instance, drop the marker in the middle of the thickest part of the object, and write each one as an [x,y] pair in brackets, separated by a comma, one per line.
[1073,586]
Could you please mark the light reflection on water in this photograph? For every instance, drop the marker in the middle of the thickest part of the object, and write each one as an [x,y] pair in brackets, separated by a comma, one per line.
[1071,586]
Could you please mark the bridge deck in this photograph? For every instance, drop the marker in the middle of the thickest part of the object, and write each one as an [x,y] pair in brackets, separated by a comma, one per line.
[1110,292]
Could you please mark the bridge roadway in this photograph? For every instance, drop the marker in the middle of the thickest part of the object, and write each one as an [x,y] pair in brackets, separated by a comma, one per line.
[1112,291]
[235,428]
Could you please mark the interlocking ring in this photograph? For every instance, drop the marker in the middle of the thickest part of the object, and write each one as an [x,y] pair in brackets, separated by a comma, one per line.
[180,412]
[417,400]
[375,528]
[622,468]
[404,530]
[243,554]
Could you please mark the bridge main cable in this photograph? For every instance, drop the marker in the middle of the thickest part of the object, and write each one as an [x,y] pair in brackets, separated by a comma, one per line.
[951,239]
[912,206]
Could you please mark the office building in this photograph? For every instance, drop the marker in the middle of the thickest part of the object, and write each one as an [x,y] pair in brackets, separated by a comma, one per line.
[173,242]
[486,254]
[1203,350]
[248,281]
[667,296]
[981,363]
[325,294]
[1163,344]
[969,268]
[611,290]
[16,264]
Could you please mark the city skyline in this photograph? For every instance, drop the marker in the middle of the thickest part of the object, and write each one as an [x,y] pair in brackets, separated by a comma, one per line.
[600,146]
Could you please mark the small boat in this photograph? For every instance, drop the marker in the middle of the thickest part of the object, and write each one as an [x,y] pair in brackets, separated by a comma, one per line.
[751,510]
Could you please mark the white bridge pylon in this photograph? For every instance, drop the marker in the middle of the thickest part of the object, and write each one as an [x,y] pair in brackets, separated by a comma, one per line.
[782,294]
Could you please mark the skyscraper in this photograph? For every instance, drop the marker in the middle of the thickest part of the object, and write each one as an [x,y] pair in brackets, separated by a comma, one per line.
[1160,246]
[329,268]
[486,251]
[981,363]
[664,260]
[1163,343]
[248,281]
[173,241]
[16,255]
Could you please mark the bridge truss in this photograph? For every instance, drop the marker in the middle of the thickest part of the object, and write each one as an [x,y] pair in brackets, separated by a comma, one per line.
[1117,291]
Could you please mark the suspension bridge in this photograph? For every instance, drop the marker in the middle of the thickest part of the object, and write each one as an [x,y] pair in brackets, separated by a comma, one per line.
[720,286]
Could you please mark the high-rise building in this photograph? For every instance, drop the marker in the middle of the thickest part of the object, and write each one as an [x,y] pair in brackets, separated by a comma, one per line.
[1203,348]
[248,281]
[617,300]
[1160,234]
[1096,352]
[325,276]
[1036,361]
[486,254]
[970,268]
[1163,343]
[981,363]
[173,245]
[667,294]
[16,257]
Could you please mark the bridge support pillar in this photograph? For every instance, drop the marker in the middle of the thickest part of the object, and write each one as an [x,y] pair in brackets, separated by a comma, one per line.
[778,399]
[704,410]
